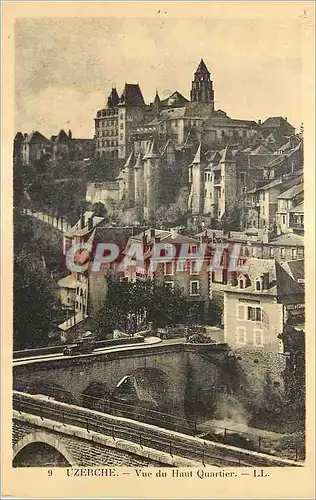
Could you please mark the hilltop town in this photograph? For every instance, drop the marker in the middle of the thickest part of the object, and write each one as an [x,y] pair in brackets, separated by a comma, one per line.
[176,173]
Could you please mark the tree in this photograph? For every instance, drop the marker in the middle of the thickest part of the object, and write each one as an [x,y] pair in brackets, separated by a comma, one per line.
[35,302]
[131,305]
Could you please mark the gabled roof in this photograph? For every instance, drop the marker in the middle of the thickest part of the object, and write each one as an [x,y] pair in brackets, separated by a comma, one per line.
[275,122]
[280,283]
[175,99]
[62,136]
[227,154]
[293,191]
[261,150]
[289,239]
[132,95]
[34,137]
[295,268]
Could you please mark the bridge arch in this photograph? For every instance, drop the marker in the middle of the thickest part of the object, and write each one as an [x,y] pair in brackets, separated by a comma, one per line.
[148,384]
[48,443]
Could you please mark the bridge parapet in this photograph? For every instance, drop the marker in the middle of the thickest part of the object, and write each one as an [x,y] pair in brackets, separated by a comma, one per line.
[145,435]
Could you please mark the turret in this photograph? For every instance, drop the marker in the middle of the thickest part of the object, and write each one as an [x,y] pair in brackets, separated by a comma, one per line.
[152,179]
[129,176]
[196,177]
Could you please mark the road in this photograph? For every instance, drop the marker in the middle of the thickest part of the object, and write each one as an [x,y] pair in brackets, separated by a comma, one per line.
[148,342]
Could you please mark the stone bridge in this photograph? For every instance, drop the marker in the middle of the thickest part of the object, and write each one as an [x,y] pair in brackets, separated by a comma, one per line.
[51,433]
[167,375]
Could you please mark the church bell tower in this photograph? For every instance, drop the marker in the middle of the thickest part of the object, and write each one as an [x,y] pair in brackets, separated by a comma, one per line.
[202,86]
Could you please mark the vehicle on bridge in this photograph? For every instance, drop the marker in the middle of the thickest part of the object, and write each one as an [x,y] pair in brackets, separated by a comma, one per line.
[85,345]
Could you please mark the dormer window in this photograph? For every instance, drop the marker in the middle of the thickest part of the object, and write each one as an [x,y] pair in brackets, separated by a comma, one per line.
[258,285]
[241,283]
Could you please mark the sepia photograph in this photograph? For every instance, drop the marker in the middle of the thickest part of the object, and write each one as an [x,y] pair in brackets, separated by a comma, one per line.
[158,244]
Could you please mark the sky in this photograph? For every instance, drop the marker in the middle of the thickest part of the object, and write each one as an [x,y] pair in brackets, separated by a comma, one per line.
[65,67]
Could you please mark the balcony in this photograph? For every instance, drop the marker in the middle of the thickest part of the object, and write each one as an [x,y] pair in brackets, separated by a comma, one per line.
[297,225]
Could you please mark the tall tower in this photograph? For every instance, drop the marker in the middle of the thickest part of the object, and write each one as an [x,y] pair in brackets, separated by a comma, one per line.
[196,175]
[152,179]
[202,86]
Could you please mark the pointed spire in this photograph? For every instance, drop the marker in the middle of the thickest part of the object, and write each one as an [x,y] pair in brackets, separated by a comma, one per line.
[152,151]
[202,67]
[147,150]
[138,163]
[199,156]
[227,154]
[129,160]
[157,98]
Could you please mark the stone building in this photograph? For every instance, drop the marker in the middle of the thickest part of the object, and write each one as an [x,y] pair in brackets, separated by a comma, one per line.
[257,302]
[115,123]
[189,274]
[34,146]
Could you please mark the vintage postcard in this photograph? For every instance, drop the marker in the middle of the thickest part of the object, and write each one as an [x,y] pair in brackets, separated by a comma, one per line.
[158,261]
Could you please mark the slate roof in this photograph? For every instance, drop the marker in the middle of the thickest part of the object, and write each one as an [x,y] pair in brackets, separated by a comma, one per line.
[275,122]
[34,137]
[76,230]
[298,209]
[280,283]
[68,282]
[289,239]
[202,68]
[19,136]
[293,191]
[132,95]
[175,99]
[295,268]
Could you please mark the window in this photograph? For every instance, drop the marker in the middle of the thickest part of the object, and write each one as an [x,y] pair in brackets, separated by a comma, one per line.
[241,312]
[242,177]
[194,288]
[241,283]
[77,304]
[271,252]
[169,284]
[257,337]
[254,313]
[282,252]
[241,337]
[181,265]
[283,219]
[195,267]
[168,269]
[258,285]
[193,248]
[122,125]
[293,253]
[263,196]
[121,137]
[263,211]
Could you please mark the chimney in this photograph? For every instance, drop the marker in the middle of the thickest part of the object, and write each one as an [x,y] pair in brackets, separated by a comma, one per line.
[285,118]
[69,134]
[152,233]
[25,136]
[90,223]
[259,122]
[265,281]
